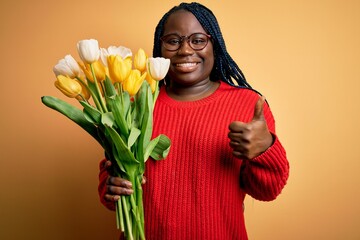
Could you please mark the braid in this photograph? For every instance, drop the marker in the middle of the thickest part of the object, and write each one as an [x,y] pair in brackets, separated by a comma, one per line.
[225,67]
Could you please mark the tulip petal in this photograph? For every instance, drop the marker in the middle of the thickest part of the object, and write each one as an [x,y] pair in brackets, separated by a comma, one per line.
[158,67]
[88,50]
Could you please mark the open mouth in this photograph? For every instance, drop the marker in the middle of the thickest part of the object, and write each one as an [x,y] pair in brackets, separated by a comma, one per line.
[186,65]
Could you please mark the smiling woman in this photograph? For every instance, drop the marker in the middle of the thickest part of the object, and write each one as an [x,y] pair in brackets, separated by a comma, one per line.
[306,64]
[224,143]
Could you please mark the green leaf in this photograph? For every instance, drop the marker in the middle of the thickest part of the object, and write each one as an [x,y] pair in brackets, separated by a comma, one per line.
[123,156]
[107,119]
[119,117]
[109,88]
[126,102]
[71,112]
[92,86]
[92,114]
[146,127]
[161,149]
[141,103]
[156,93]
[134,134]
[147,121]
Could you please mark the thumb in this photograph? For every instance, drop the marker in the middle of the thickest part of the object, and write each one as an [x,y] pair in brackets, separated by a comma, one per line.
[259,109]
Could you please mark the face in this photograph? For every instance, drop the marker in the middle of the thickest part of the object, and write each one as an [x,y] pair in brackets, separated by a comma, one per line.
[188,67]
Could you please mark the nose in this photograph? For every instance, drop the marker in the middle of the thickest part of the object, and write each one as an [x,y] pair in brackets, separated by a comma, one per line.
[185,48]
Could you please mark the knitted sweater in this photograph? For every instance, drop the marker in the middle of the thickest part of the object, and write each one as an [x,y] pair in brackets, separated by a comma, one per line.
[197,192]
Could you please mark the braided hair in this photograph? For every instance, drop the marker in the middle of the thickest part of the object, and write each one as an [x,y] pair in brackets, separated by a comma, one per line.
[225,67]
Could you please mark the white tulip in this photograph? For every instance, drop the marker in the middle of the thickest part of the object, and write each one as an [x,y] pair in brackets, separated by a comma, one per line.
[121,51]
[157,67]
[67,67]
[88,50]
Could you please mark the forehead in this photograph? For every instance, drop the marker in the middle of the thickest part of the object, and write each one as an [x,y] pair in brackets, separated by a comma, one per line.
[182,22]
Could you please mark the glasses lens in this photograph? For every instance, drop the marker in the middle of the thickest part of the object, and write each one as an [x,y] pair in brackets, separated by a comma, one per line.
[171,42]
[198,41]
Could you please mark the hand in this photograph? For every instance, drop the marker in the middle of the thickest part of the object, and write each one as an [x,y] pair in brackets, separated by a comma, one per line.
[117,186]
[249,140]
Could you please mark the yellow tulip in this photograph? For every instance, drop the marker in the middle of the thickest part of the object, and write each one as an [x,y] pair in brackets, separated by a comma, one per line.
[140,60]
[152,82]
[68,86]
[84,92]
[133,83]
[99,69]
[119,69]
[123,52]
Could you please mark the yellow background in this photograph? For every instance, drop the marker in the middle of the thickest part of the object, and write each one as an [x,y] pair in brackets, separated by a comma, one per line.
[302,55]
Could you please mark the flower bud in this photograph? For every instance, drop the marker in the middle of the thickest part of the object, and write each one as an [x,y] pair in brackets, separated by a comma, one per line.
[88,50]
[99,69]
[119,69]
[133,83]
[67,67]
[121,51]
[68,86]
[140,60]
[84,92]
[158,67]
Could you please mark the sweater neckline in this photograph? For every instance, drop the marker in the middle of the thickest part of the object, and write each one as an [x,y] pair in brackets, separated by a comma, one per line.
[164,97]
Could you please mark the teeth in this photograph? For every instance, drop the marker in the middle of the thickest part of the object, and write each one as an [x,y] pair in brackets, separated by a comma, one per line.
[185,64]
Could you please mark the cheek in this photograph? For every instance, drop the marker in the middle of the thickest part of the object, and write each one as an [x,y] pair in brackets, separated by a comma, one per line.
[210,60]
[165,53]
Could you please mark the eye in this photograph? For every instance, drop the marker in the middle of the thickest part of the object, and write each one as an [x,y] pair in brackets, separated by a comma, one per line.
[198,39]
[172,40]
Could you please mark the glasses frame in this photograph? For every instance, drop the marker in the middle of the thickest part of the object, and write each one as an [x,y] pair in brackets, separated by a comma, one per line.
[187,38]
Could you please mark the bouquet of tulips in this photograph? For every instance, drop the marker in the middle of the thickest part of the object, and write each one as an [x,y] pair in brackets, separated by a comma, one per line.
[117,93]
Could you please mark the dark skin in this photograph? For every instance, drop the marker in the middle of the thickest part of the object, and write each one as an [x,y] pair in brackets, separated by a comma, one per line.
[189,76]
[189,69]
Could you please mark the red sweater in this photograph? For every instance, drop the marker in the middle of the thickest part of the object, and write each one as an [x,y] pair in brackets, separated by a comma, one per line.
[197,192]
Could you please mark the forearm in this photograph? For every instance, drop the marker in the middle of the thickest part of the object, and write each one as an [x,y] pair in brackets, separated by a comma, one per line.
[264,176]
[103,175]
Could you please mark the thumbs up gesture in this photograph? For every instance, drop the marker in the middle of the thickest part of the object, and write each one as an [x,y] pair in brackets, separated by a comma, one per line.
[249,140]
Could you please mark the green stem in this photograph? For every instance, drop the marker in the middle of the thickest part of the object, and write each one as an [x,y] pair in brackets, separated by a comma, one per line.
[120,216]
[98,89]
[117,84]
[127,218]
[82,97]
[140,200]
[156,93]
[122,95]
[140,209]
[96,101]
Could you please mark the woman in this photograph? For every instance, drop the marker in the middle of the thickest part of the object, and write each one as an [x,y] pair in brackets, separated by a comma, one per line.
[224,144]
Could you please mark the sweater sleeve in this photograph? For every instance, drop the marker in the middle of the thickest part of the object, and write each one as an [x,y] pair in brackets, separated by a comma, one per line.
[103,174]
[264,176]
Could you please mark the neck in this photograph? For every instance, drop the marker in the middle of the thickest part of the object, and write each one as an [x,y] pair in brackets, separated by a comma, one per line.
[193,92]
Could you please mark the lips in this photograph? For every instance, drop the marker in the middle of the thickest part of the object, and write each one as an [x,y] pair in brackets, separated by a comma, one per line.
[186,66]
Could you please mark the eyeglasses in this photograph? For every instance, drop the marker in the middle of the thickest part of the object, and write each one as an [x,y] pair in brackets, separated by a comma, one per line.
[197,41]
